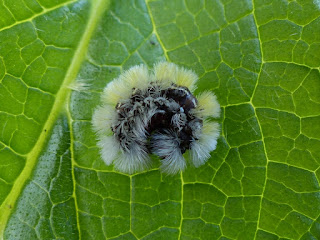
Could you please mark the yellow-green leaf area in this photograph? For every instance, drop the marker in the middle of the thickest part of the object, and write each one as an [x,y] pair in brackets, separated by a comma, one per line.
[261,59]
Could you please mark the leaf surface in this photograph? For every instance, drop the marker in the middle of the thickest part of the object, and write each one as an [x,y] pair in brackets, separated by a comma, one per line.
[260,57]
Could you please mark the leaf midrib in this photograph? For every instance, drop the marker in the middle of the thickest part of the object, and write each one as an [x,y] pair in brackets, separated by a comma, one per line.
[97,9]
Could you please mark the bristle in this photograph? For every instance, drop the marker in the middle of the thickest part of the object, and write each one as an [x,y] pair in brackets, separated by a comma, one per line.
[80,86]
[166,146]
[121,89]
[135,160]
[208,105]
[173,163]
[103,118]
[211,130]
[207,142]
[199,153]
[165,73]
[140,128]
[179,120]
[116,91]
[109,149]
[186,78]
[136,77]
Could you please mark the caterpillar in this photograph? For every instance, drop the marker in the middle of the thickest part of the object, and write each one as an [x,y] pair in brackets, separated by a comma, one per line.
[143,113]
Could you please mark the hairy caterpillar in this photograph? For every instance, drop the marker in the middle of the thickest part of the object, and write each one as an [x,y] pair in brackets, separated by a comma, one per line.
[143,113]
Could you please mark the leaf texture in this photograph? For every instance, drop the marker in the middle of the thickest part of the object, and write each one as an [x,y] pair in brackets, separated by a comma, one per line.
[260,57]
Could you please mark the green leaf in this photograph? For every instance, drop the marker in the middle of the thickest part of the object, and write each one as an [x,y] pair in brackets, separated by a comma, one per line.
[260,57]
